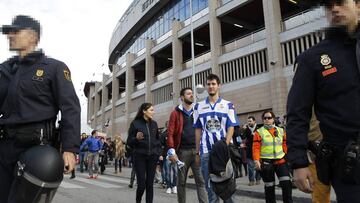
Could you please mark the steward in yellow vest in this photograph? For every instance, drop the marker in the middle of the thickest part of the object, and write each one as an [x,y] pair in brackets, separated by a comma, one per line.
[269,150]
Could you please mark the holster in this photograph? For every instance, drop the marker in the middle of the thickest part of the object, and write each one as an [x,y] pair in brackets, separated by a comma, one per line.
[323,162]
[350,163]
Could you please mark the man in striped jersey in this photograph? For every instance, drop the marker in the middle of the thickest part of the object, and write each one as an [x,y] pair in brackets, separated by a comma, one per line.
[214,119]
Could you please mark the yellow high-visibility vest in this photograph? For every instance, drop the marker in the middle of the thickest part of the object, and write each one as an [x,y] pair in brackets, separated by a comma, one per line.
[271,147]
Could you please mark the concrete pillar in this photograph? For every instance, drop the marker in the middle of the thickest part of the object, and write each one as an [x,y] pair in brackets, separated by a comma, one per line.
[104,103]
[272,16]
[215,36]
[149,70]
[115,97]
[97,104]
[177,59]
[130,77]
[91,111]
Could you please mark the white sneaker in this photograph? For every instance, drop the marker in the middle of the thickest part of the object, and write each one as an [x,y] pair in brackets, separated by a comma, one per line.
[174,190]
[168,191]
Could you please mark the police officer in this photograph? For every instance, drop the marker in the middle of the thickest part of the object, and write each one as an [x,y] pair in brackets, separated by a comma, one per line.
[328,77]
[33,88]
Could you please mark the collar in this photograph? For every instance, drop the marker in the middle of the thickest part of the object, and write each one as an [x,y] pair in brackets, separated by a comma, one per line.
[181,108]
[340,33]
[208,101]
[212,106]
[31,58]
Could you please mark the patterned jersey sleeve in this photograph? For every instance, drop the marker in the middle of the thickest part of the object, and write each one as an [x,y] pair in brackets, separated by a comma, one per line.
[232,119]
[197,122]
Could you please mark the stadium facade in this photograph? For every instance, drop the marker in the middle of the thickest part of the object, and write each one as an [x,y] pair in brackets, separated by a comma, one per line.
[250,44]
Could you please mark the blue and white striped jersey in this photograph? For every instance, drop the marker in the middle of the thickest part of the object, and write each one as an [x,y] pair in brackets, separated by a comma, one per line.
[214,120]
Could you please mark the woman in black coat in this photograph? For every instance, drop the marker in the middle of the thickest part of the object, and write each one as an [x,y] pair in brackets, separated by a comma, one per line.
[143,137]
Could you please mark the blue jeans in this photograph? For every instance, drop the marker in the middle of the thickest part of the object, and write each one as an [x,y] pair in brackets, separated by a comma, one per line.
[253,173]
[212,197]
[82,160]
[171,174]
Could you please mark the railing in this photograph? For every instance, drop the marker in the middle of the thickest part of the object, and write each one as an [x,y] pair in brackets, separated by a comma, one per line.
[302,18]
[242,41]
[140,86]
[163,94]
[164,74]
[244,67]
[200,78]
[199,59]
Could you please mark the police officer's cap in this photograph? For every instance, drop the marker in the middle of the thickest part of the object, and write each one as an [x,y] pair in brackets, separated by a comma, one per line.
[21,22]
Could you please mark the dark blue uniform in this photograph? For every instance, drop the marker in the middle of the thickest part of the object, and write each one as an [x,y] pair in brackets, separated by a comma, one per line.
[327,76]
[32,91]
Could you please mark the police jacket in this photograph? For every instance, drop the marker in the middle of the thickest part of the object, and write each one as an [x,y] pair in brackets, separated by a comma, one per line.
[93,144]
[327,76]
[150,145]
[33,89]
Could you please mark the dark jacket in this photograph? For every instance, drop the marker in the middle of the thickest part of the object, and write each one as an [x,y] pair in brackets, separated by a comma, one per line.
[327,77]
[221,171]
[249,136]
[151,143]
[33,89]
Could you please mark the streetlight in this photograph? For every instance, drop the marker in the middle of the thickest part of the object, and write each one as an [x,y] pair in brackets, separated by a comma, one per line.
[192,51]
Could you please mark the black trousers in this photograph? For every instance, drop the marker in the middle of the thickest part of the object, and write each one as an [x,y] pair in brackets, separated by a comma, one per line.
[145,166]
[118,161]
[345,193]
[268,170]
[9,155]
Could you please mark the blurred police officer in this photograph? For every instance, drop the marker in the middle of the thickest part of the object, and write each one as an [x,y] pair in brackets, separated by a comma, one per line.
[328,77]
[33,88]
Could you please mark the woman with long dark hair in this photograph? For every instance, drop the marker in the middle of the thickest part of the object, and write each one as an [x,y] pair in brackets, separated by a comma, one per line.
[143,137]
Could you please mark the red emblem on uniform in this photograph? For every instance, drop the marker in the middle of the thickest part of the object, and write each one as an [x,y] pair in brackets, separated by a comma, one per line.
[329,71]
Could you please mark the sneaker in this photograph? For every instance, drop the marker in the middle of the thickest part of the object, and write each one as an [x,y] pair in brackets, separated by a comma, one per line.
[174,190]
[72,177]
[168,191]
[258,182]
[251,183]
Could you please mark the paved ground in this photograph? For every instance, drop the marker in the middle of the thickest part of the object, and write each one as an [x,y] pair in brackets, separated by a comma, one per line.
[112,187]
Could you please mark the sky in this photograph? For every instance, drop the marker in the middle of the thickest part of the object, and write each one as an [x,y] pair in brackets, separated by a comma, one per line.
[76,32]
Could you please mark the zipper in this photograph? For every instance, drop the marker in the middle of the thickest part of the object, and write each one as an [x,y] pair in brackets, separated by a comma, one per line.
[147,126]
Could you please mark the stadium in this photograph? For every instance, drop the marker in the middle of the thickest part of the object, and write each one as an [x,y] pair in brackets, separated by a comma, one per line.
[250,44]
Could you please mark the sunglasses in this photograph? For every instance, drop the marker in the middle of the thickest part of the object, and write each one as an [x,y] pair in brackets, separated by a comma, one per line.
[267,118]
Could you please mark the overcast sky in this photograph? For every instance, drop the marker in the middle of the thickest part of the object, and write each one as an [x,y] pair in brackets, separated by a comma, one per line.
[76,32]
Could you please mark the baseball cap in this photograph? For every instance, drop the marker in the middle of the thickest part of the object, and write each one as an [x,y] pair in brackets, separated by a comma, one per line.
[22,22]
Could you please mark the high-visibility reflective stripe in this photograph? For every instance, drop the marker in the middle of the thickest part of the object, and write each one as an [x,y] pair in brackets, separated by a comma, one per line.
[284,178]
[271,144]
[269,184]
[272,155]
